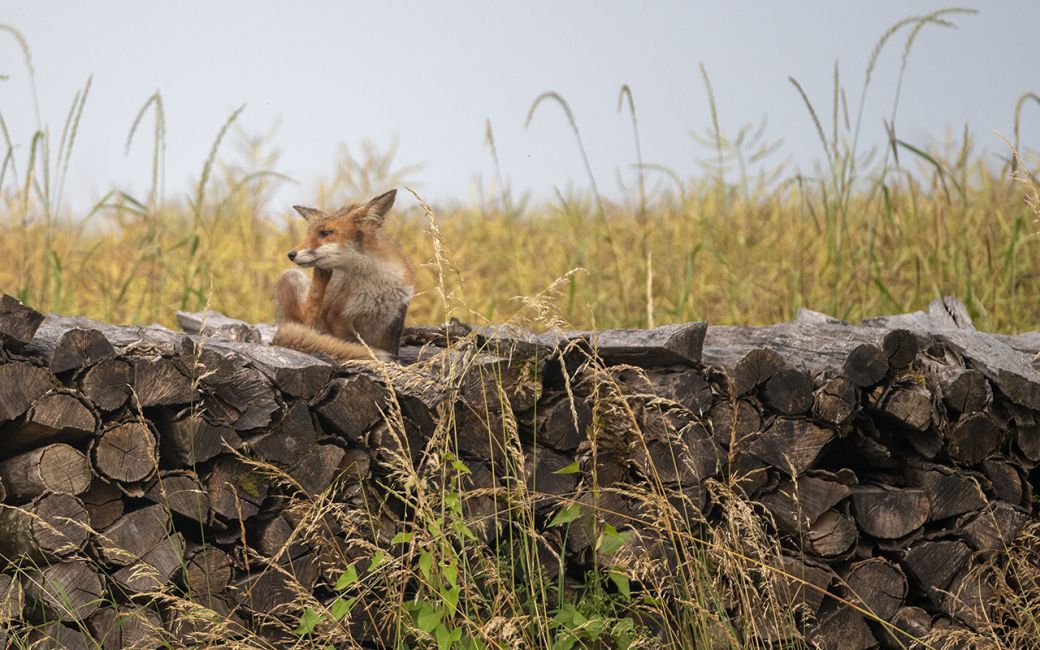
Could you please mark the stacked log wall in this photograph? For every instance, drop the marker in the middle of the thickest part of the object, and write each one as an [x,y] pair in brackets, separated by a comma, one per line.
[890,458]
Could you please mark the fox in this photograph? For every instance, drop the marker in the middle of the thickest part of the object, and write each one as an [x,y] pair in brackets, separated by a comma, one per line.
[355,303]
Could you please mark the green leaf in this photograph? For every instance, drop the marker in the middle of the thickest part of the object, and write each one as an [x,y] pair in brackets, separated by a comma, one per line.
[347,578]
[570,469]
[308,620]
[566,516]
[446,638]
[461,528]
[451,598]
[425,563]
[341,607]
[377,560]
[451,573]
[610,541]
[620,580]
[459,466]
[402,538]
[428,618]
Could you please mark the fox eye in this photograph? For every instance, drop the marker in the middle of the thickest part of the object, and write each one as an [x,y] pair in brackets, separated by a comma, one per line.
[324,233]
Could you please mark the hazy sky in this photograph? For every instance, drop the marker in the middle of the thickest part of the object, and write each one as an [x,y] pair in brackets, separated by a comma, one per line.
[430,73]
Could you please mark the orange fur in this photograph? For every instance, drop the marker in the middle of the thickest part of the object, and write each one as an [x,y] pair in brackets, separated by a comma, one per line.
[359,290]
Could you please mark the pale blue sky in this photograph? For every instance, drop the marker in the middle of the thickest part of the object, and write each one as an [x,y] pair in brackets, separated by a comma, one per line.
[429,73]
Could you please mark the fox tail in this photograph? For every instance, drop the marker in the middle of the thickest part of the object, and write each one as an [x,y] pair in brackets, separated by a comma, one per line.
[307,339]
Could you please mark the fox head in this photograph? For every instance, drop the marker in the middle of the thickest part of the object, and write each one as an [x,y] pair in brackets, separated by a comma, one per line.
[338,240]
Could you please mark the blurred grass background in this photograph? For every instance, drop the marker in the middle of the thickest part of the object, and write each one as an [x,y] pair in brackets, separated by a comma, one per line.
[748,240]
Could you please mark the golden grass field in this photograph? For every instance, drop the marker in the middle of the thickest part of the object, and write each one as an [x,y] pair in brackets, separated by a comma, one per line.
[872,231]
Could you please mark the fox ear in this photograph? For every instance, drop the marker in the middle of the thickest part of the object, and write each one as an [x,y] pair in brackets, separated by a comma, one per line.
[376,209]
[306,213]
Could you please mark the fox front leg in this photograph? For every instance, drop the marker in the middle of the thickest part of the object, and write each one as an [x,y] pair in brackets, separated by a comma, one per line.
[316,295]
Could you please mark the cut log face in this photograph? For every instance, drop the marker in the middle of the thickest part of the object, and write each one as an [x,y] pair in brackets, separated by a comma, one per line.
[757,367]
[58,416]
[562,425]
[290,441]
[833,534]
[949,493]
[66,591]
[734,424]
[133,535]
[70,349]
[790,445]
[789,392]
[21,384]
[181,493]
[866,365]
[842,627]
[18,323]
[886,512]
[55,468]
[51,525]
[107,384]
[236,490]
[156,568]
[901,347]
[994,529]
[126,627]
[877,585]
[12,599]
[207,571]
[104,503]
[59,636]
[796,505]
[933,564]
[972,439]
[350,406]
[836,401]
[159,382]
[190,439]
[125,452]
[967,391]
[909,407]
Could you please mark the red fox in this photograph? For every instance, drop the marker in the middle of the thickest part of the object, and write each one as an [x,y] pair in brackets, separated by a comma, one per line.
[360,288]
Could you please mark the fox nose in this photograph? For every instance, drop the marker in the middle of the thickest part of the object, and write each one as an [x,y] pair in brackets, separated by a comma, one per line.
[292,255]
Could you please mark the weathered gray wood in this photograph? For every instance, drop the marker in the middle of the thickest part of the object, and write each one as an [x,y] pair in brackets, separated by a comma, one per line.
[934,563]
[21,384]
[1027,439]
[214,325]
[350,405]
[58,416]
[908,406]
[125,452]
[832,535]
[207,570]
[1007,482]
[116,628]
[12,599]
[189,438]
[250,393]
[560,424]
[180,492]
[158,381]
[797,504]
[800,583]
[54,635]
[993,529]
[789,392]
[949,493]
[104,503]
[877,585]
[56,468]
[733,424]
[318,470]
[155,570]
[660,346]
[133,535]
[966,391]
[236,490]
[754,369]
[913,622]
[67,591]
[107,384]
[972,439]
[65,349]
[840,626]
[887,512]
[49,526]
[295,373]
[836,401]
[18,323]
[790,445]
[901,347]
[288,442]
